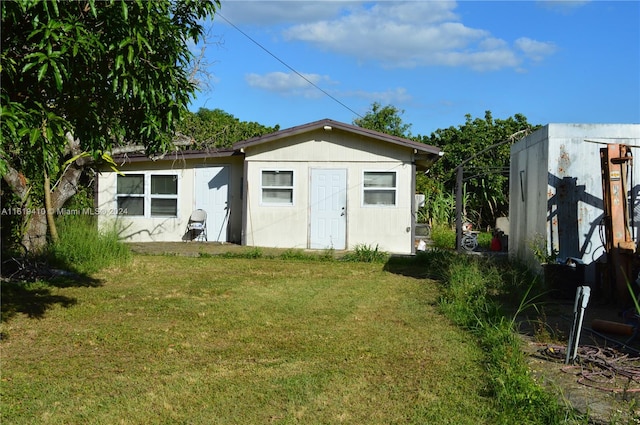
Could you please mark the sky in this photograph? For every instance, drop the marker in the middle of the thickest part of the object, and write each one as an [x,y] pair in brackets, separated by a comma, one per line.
[293,62]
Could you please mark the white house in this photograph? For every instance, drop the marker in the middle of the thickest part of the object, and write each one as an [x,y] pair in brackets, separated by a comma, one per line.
[321,185]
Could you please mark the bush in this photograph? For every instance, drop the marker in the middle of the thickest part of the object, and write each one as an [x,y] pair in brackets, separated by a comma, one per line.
[443,237]
[84,249]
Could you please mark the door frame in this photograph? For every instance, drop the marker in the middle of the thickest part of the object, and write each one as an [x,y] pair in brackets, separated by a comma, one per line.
[346,203]
[227,219]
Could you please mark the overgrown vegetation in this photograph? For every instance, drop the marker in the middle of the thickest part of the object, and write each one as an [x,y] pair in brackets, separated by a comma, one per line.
[472,288]
[84,249]
[364,253]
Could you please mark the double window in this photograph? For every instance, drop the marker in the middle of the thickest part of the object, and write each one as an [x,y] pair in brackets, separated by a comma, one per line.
[379,188]
[148,195]
[277,187]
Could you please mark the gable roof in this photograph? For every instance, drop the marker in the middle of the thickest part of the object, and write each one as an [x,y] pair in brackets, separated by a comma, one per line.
[322,124]
[425,155]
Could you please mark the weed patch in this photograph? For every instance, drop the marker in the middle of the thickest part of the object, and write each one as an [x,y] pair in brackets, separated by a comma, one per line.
[366,254]
[472,287]
[84,249]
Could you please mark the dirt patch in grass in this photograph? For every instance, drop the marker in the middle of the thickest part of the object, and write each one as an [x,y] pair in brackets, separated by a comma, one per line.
[606,397]
[190,249]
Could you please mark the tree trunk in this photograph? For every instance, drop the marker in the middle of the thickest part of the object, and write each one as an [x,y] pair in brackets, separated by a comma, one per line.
[34,238]
[34,217]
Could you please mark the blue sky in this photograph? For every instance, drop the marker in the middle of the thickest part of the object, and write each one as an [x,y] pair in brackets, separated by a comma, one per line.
[553,61]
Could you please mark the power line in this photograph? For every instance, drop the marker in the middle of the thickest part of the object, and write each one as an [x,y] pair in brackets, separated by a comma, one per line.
[287,65]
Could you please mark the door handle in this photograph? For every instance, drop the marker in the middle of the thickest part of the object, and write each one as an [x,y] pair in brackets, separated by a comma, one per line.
[343,212]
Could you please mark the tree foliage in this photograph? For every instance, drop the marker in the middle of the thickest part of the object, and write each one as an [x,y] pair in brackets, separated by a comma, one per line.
[219,129]
[80,78]
[486,174]
[385,119]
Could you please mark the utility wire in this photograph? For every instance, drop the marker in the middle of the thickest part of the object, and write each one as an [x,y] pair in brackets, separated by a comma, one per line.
[287,65]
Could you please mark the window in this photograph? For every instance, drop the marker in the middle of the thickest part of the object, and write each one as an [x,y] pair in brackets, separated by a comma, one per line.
[379,188]
[164,195]
[277,187]
[131,194]
[154,195]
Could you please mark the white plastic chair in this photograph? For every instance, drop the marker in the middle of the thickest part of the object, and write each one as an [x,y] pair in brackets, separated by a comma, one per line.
[197,226]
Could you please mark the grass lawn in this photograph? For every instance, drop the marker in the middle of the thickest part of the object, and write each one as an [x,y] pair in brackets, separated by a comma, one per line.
[171,340]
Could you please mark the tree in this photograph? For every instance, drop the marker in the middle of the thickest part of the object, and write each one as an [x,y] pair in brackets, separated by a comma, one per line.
[80,79]
[487,174]
[385,119]
[219,129]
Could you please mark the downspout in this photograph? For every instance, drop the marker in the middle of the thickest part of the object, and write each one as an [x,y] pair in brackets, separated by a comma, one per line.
[413,204]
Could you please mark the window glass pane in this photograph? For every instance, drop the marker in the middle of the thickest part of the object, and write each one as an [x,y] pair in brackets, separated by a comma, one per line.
[277,178]
[380,197]
[131,184]
[164,207]
[130,205]
[164,185]
[380,179]
[277,196]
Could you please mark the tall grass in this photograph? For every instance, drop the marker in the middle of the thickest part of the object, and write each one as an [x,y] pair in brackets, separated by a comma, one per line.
[471,289]
[84,249]
[363,253]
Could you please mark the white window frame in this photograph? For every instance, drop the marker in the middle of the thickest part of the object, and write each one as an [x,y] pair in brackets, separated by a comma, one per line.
[148,196]
[393,189]
[266,202]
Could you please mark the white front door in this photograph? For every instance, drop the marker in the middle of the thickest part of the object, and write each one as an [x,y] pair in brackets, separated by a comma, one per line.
[212,195]
[328,212]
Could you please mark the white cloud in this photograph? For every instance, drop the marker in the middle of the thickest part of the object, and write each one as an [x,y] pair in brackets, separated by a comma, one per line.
[392,96]
[266,12]
[535,50]
[289,84]
[411,34]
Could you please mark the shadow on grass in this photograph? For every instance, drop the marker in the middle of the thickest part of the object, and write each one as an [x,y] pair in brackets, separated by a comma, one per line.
[29,289]
[423,265]
[30,298]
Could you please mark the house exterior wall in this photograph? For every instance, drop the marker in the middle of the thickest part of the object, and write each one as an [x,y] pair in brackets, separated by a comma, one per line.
[556,189]
[167,229]
[388,227]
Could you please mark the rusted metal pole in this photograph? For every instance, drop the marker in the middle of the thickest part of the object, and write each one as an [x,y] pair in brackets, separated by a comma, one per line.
[616,160]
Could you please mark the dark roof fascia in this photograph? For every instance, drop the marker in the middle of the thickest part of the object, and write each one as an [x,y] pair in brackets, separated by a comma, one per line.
[176,155]
[305,128]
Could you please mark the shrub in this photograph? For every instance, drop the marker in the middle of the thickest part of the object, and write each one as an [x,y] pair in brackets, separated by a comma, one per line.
[84,249]
[443,237]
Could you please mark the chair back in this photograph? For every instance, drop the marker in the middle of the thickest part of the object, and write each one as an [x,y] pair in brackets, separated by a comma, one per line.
[198,216]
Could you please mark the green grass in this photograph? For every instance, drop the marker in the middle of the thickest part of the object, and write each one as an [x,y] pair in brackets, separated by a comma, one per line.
[168,340]
[83,249]
[473,288]
[366,254]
